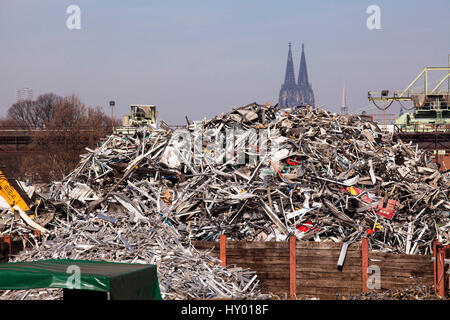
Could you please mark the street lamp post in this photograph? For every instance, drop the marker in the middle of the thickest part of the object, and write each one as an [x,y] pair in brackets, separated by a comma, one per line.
[112,103]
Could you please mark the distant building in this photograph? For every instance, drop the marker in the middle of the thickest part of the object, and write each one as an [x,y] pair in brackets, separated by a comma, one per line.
[344,108]
[295,94]
[24,94]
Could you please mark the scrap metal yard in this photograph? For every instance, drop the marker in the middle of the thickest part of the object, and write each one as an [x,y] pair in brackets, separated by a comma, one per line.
[260,174]
[224,160]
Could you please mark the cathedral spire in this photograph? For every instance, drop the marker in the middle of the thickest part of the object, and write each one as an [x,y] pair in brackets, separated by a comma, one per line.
[304,87]
[289,78]
[303,73]
[292,95]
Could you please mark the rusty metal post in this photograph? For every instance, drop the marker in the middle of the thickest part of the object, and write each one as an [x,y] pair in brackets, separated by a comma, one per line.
[440,286]
[439,269]
[365,263]
[446,255]
[292,267]
[223,250]
[442,277]
[435,244]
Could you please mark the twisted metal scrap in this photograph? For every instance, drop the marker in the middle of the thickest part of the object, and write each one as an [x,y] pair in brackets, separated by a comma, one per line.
[413,293]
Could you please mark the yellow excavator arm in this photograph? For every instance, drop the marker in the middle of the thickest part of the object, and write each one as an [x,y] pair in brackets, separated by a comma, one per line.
[11,194]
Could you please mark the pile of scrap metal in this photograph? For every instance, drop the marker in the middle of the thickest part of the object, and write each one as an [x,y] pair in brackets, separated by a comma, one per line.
[183,272]
[17,225]
[412,293]
[255,173]
[263,173]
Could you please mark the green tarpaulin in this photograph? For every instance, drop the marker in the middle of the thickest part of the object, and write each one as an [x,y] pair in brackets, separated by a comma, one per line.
[121,280]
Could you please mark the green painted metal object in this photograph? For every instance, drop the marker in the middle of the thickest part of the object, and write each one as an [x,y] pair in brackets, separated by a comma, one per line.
[431,114]
[124,281]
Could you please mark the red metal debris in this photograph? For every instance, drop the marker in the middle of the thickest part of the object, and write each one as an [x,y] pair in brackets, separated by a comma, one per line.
[387,211]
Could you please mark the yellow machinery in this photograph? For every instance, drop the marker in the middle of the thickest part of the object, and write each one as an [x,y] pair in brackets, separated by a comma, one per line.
[20,203]
[13,194]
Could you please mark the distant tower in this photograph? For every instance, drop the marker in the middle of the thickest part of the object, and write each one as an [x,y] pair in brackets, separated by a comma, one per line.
[24,94]
[344,108]
[304,87]
[289,94]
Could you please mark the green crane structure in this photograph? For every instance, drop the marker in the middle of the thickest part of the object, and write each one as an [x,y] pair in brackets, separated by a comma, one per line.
[427,121]
[431,106]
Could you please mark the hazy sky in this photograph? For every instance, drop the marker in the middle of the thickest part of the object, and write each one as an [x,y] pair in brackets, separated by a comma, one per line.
[200,58]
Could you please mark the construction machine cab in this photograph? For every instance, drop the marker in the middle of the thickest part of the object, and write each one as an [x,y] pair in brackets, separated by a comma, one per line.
[142,115]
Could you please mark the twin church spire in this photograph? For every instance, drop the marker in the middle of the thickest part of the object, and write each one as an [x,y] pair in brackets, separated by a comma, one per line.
[294,93]
[289,78]
[303,73]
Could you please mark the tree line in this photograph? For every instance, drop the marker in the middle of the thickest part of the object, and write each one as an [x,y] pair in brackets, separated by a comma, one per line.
[60,129]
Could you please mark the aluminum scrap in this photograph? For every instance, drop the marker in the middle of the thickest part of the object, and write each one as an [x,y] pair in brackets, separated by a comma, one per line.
[319,176]
[412,293]
[183,271]
[303,172]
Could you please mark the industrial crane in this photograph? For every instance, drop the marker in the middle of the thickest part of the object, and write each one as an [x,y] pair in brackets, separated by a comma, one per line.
[431,106]
[428,121]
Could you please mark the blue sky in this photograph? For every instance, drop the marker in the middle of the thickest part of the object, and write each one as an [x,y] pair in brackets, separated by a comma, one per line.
[200,58]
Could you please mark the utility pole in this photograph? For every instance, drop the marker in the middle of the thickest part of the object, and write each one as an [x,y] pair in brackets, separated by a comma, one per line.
[112,103]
